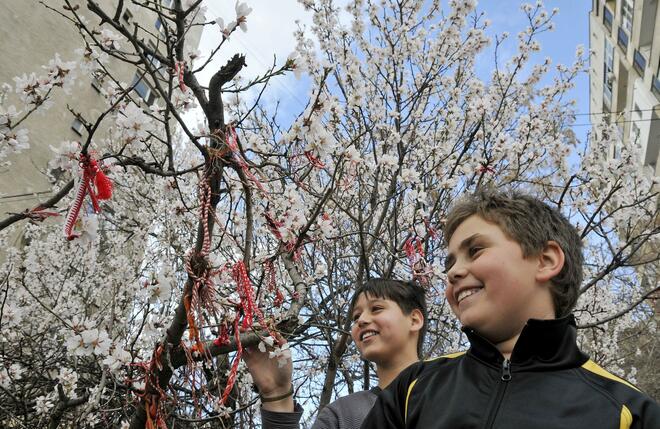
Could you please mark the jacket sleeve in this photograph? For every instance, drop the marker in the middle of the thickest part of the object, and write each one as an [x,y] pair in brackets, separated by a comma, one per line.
[389,409]
[275,420]
[327,419]
[649,415]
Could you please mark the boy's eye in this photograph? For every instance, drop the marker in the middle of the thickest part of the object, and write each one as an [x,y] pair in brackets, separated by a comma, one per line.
[474,250]
[356,317]
[376,308]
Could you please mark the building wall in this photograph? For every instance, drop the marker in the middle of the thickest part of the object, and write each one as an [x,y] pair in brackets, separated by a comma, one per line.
[634,77]
[30,35]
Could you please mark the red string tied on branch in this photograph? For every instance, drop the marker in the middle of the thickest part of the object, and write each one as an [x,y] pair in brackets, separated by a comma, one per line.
[95,183]
[271,283]
[414,249]
[433,233]
[244,289]
[485,168]
[153,401]
[39,214]
[273,225]
[314,160]
[249,310]
[180,68]
[223,338]
[231,379]
[232,144]
[202,291]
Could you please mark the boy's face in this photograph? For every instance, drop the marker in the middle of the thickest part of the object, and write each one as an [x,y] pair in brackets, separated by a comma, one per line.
[381,330]
[491,287]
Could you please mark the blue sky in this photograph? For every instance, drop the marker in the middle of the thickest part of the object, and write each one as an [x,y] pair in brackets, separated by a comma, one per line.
[571,30]
[271,25]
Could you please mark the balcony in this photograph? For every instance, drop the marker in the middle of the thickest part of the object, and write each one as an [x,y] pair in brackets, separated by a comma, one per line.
[622,39]
[608,18]
[639,62]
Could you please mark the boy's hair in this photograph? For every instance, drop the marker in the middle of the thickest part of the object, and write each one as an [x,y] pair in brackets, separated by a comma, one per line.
[532,224]
[408,295]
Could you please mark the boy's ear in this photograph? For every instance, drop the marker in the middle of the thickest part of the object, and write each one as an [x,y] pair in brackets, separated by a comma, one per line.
[417,319]
[551,261]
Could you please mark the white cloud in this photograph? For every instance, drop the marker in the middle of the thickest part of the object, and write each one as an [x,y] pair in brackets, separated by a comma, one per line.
[270,33]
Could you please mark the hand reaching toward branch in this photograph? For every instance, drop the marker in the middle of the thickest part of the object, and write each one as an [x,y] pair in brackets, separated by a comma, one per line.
[271,369]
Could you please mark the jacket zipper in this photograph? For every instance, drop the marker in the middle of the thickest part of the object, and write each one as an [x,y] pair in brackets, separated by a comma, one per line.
[501,388]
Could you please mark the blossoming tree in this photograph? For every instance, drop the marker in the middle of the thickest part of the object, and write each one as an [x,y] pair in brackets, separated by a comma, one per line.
[167,247]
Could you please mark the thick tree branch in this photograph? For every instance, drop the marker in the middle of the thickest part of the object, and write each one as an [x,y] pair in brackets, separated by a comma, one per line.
[30,213]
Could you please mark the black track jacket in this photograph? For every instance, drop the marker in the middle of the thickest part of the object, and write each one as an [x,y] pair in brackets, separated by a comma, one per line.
[548,384]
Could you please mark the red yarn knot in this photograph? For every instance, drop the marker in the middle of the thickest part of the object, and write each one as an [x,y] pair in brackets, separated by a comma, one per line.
[95,183]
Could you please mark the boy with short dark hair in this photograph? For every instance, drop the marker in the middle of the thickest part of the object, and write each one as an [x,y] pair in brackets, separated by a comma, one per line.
[514,269]
[389,324]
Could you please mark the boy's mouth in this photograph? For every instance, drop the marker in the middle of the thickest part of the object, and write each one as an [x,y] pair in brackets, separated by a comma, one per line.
[368,334]
[466,293]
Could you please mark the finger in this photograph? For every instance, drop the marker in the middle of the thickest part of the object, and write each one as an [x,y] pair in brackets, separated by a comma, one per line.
[279,339]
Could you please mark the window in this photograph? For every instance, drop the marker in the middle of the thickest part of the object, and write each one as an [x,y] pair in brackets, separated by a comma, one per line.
[127,17]
[159,24]
[608,73]
[622,40]
[627,9]
[143,89]
[607,18]
[639,62]
[653,146]
[77,126]
[156,64]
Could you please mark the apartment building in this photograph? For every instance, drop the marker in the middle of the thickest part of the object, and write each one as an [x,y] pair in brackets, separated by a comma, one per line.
[624,86]
[30,35]
[625,72]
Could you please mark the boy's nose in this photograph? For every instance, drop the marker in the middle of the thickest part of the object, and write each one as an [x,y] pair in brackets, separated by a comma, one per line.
[364,319]
[457,271]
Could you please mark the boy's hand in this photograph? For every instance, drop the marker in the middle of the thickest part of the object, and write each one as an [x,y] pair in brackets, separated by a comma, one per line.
[272,375]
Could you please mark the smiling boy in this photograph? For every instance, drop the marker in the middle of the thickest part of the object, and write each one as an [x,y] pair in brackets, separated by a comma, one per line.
[514,268]
[389,324]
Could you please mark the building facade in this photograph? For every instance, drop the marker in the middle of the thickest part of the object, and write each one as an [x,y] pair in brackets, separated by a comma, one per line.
[624,87]
[30,36]
[624,76]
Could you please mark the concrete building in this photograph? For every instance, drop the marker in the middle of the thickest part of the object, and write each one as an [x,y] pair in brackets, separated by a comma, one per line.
[30,35]
[624,86]
[625,72]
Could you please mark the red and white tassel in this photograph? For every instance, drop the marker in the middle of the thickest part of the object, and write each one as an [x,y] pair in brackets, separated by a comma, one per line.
[101,190]
[74,210]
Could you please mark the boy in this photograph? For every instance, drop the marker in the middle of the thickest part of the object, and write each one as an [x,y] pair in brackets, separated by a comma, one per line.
[389,323]
[514,267]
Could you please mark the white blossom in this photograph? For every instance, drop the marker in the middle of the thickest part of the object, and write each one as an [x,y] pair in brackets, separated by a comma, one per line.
[282,354]
[242,11]
[110,40]
[134,123]
[69,380]
[117,359]
[88,342]
[43,404]
[65,155]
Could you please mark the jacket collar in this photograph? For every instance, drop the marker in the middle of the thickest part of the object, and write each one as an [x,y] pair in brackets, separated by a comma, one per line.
[542,345]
